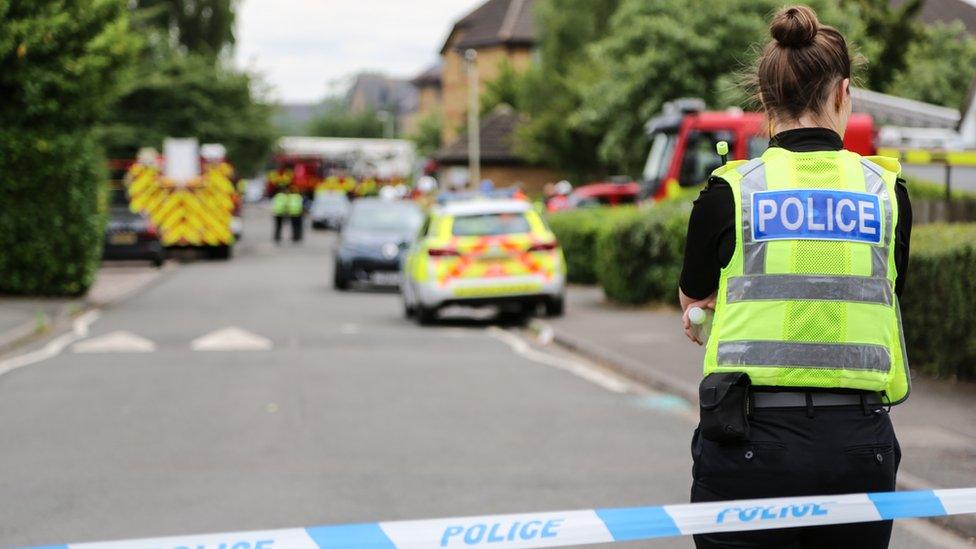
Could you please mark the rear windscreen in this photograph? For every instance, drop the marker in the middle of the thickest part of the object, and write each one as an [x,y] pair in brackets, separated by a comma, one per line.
[490,224]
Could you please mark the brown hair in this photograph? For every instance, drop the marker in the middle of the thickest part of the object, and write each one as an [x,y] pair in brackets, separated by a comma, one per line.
[799,67]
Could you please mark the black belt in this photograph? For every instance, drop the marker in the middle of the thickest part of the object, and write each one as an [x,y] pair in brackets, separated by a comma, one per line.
[794,399]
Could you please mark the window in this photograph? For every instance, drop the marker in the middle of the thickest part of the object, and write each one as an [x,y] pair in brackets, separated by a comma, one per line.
[490,224]
[700,157]
[659,159]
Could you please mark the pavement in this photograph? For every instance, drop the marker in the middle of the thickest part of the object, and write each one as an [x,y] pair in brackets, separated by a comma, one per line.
[23,319]
[248,394]
[936,427]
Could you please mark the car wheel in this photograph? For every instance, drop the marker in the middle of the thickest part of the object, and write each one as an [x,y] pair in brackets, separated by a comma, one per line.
[158,261]
[221,252]
[555,306]
[408,310]
[425,315]
[339,280]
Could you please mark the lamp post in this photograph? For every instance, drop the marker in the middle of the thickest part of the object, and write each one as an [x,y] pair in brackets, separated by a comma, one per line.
[386,117]
[474,129]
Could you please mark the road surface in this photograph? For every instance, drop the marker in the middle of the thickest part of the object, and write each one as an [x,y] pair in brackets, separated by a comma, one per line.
[248,394]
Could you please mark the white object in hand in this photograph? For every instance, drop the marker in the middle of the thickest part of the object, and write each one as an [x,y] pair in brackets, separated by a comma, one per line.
[701,322]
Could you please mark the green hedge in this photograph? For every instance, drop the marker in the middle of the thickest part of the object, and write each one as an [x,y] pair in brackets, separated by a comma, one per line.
[577,232]
[50,231]
[636,255]
[939,303]
[639,253]
[919,189]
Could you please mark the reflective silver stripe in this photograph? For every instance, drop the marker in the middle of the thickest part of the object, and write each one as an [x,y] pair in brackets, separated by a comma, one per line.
[834,356]
[874,184]
[859,289]
[753,181]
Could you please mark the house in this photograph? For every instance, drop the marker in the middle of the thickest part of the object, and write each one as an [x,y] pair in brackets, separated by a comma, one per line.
[428,85]
[374,92]
[502,32]
[499,162]
[947,11]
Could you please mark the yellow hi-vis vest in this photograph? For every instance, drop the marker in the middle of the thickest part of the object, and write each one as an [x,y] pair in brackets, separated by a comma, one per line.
[279,204]
[808,299]
[295,204]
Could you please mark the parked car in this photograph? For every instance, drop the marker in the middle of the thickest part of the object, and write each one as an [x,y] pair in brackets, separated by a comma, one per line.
[372,241]
[130,235]
[329,209]
[604,194]
[483,252]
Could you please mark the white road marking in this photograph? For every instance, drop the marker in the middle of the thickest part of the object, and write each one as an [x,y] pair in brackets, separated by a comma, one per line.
[118,341]
[79,330]
[607,381]
[231,338]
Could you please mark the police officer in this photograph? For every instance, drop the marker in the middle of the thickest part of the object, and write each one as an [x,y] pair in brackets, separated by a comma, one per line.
[296,211]
[802,254]
[279,209]
[288,204]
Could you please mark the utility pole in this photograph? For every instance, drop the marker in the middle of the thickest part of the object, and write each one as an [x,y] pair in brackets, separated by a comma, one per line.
[387,118]
[474,123]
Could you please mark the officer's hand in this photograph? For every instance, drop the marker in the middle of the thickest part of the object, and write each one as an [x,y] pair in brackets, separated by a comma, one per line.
[707,303]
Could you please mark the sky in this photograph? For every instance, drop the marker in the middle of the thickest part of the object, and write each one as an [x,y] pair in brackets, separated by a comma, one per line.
[305,48]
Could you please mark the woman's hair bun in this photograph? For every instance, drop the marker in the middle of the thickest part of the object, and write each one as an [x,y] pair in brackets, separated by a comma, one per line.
[795,27]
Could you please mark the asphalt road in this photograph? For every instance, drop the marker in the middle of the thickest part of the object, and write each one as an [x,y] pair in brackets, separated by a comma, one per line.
[342,411]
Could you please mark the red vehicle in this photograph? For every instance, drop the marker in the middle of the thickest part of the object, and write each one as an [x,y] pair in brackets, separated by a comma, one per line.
[684,136]
[604,193]
[302,171]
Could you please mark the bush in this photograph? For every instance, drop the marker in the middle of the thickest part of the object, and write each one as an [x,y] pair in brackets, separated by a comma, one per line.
[639,254]
[61,65]
[577,231]
[919,189]
[51,230]
[940,300]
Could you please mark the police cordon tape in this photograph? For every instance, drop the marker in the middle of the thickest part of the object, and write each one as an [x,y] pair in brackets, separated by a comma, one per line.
[561,528]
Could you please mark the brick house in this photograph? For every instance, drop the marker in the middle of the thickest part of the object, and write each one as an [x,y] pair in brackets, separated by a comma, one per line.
[500,31]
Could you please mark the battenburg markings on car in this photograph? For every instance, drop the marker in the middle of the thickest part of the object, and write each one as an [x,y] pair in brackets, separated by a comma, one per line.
[805,214]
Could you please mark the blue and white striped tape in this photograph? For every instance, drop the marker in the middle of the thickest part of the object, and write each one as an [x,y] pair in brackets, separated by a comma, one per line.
[560,528]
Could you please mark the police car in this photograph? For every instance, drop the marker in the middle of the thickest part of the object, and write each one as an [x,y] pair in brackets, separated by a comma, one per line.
[483,252]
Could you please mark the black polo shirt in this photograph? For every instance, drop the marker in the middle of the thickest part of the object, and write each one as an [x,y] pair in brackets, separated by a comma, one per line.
[711,229]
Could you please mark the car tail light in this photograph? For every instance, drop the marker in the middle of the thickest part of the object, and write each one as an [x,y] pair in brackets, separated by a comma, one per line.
[544,247]
[442,252]
[150,230]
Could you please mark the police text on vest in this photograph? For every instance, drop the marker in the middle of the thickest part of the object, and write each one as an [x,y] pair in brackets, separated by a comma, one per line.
[807,214]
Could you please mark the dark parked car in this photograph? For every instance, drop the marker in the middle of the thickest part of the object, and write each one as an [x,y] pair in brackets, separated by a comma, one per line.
[372,241]
[130,235]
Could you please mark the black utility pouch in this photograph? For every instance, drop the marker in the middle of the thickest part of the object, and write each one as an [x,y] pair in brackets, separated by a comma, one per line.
[724,400]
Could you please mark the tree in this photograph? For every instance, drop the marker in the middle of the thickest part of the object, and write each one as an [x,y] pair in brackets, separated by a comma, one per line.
[550,90]
[504,89]
[658,51]
[190,96]
[886,30]
[337,121]
[427,136]
[204,27]
[939,66]
[62,62]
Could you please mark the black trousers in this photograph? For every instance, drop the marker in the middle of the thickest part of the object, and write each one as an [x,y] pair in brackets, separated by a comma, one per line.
[297,223]
[296,227]
[839,450]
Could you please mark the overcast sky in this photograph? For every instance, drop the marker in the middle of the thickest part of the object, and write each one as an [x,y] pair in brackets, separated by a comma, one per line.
[300,46]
